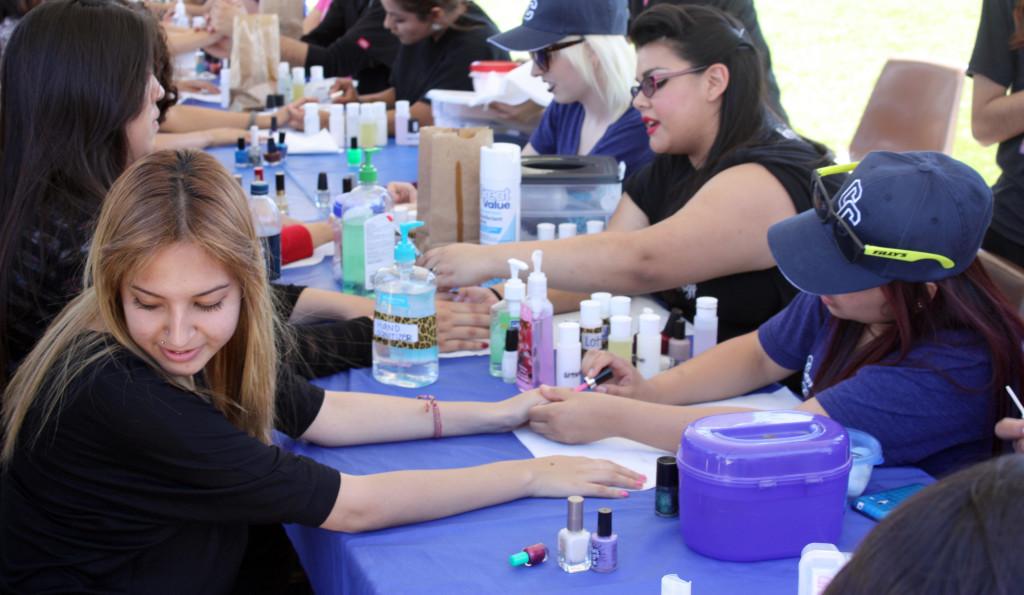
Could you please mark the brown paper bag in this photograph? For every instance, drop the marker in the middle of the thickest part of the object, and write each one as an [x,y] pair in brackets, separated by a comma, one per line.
[289,15]
[449,185]
[255,52]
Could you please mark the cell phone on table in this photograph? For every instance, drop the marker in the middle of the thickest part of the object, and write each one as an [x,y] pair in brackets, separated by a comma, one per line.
[880,504]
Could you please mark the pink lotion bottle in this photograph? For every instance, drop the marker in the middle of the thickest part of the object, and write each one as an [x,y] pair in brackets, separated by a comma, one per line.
[536,332]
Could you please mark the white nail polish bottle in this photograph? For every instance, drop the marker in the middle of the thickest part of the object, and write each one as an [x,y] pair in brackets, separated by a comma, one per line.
[574,540]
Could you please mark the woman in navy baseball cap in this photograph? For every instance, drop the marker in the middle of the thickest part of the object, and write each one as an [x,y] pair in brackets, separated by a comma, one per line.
[898,329]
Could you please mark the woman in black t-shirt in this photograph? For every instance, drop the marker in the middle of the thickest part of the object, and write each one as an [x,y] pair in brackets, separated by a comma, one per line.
[695,220]
[137,434]
[440,39]
[997,116]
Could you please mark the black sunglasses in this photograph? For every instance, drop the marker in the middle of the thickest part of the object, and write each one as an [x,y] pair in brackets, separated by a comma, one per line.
[846,239]
[656,80]
[542,57]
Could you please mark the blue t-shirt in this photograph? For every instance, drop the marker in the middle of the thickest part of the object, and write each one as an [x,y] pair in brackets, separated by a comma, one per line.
[933,409]
[559,134]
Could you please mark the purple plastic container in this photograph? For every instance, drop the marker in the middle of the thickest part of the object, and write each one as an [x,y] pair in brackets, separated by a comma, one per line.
[761,485]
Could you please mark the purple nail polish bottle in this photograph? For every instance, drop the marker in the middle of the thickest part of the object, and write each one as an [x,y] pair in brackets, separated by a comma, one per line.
[604,545]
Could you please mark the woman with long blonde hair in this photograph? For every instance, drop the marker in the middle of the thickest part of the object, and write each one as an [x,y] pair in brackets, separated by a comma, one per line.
[137,446]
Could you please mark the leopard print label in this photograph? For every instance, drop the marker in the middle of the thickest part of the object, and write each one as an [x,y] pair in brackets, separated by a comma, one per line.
[404,332]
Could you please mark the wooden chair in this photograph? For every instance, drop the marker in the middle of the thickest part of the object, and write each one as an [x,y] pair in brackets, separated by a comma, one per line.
[913,107]
[1008,277]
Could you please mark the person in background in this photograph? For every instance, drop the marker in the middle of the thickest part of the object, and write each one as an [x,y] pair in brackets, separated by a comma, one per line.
[997,116]
[745,13]
[694,221]
[955,537]
[137,435]
[11,12]
[580,50]
[898,331]
[439,40]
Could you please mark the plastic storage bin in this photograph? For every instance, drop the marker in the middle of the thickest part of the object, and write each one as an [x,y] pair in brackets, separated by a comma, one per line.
[489,75]
[455,109]
[866,453]
[568,188]
[761,485]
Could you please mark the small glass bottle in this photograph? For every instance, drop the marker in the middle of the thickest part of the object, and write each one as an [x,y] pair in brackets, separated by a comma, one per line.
[354,153]
[666,495]
[282,146]
[531,555]
[281,197]
[273,154]
[574,540]
[604,545]
[323,193]
[242,155]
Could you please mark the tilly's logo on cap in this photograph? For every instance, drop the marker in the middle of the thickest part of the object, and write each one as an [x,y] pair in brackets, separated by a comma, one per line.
[528,15]
[846,206]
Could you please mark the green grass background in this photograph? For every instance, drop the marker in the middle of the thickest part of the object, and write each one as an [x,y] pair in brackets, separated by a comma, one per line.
[827,55]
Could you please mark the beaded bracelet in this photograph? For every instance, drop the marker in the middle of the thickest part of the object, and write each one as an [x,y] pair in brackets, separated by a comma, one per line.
[431,405]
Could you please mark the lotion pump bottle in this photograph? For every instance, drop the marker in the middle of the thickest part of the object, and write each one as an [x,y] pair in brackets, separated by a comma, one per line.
[536,332]
[505,314]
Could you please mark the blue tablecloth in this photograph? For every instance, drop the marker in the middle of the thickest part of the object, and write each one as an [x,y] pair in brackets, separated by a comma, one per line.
[468,553]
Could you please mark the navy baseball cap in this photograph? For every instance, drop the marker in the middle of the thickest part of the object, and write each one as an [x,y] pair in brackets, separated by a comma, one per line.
[547,22]
[915,201]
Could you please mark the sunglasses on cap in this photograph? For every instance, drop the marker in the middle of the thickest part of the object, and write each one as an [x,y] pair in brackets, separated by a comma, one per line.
[656,80]
[847,240]
[542,57]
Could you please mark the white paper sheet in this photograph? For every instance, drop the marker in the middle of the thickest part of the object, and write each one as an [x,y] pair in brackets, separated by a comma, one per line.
[311,144]
[640,457]
[319,253]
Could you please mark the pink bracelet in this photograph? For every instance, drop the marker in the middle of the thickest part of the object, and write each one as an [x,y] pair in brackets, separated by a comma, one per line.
[431,404]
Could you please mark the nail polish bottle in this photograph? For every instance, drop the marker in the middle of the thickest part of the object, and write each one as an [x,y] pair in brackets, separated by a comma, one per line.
[281,146]
[273,155]
[604,545]
[281,198]
[510,356]
[530,556]
[254,145]
[242,155]
[574,540]
[666,495]
[323,193]
[354,154]
[679,344]
[273,124]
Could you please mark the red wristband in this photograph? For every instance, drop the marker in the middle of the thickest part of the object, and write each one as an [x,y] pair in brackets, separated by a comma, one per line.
[431,405]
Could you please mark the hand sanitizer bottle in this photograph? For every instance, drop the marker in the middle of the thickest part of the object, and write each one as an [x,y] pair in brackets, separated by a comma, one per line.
[536,332]
[505,314]
[348,183]
[405,320]
[367,236]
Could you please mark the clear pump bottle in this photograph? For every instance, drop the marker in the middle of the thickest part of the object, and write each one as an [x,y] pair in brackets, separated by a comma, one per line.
[367,236]
[405,351]
[505,314]
[536,332]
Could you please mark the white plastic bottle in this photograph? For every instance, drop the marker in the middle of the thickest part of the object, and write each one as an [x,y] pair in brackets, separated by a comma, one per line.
[819,564]
[336,124]
[225,85]
[351,123]
[298,83]
[648,344]
[620,305]
[284,80]
[705,325]
[500,187]
[566,230]
[505,314]
[591,333]
[316,74]
[405,348]
[545,231]
[311,118]
[402,136]
[567,356]
[180,15]
[605,299]
[620,337]
[367,127]
[595,226]
[380,115]
[267,220]
[536,332]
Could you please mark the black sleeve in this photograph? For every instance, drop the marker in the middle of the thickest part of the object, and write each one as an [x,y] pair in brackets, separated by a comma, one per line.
[182,459]
[333,25]
[362,45]
[296,404]
[331,347]
[285,298]
[992,57]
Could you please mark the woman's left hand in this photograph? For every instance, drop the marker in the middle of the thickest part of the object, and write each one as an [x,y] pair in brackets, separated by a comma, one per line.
[462,326]
[571,417]
[1012,429]
[456,265]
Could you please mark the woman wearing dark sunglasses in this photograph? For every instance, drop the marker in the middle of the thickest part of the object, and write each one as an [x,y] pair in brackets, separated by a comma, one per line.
[694,221]
[898,330]
[580,50]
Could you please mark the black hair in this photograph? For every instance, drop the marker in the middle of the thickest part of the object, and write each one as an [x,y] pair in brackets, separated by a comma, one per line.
[74,74]
[16,8]
[958,536]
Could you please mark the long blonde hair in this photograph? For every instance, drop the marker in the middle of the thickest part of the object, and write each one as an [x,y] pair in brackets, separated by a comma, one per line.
[165,198]
[615,68]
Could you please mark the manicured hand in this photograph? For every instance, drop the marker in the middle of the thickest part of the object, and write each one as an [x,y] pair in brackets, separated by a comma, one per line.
[457,265]
[462,326]
[571,417]
[515,411]
[1012,429]
[473,295]
[346,90]
[402,192]
[560,476]
[626,380]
